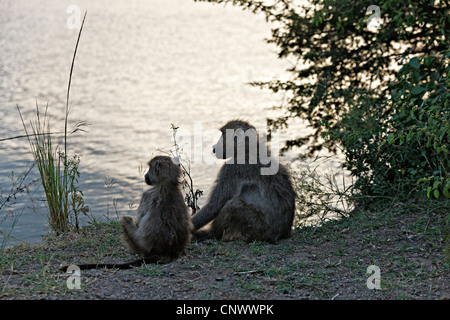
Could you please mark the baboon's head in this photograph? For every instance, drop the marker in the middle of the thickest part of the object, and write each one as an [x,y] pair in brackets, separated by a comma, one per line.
[162,169]
[239,138]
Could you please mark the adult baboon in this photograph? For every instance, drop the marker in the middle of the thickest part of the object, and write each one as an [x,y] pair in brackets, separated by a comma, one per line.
[246,204]
[163,226]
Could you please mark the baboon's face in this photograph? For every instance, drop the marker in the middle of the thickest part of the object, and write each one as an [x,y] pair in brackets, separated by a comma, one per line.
[147,178]
[162,168]
[219,149]
[237,136]
[227,144]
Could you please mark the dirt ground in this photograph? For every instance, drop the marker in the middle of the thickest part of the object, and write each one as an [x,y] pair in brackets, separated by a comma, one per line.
[326,262]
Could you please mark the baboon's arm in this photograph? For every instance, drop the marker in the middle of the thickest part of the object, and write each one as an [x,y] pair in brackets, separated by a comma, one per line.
[205,215]
[219,196]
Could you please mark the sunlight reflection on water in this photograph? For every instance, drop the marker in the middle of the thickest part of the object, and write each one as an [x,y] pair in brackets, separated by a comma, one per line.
[141,65]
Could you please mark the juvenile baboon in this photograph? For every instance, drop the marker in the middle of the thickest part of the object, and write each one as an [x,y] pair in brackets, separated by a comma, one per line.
[163,226]
[245,204]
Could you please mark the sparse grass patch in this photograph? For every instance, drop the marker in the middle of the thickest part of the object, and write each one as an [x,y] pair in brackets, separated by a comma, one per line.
[326,261]
[150,270]
[247,285]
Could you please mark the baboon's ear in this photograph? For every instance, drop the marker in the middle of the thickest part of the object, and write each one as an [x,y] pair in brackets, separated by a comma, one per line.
[157,166]
[176,160]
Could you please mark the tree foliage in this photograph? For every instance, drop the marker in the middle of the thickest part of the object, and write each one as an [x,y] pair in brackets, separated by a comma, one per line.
[347,85]
[393,145]
[339,58]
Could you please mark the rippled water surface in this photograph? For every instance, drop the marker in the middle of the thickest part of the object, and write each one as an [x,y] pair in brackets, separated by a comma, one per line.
[141,65]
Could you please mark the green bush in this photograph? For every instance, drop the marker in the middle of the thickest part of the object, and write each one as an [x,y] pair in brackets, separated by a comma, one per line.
[404,141]
[393,133]
[423,126]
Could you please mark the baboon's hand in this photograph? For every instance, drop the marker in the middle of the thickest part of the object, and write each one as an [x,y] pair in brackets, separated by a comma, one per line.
[127,219]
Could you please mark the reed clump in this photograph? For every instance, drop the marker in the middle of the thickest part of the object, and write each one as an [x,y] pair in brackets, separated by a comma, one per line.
[58,171]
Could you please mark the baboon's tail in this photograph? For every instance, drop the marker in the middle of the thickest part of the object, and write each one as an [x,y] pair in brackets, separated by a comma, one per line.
[125,265]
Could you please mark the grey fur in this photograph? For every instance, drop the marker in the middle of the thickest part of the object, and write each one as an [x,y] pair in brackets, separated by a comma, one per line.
[163,227]
[245,204]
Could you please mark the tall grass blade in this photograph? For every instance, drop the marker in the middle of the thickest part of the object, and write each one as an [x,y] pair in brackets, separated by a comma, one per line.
[56,170]
[70,81]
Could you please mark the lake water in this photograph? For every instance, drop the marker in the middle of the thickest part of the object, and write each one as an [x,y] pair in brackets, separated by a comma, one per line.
[141,65]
